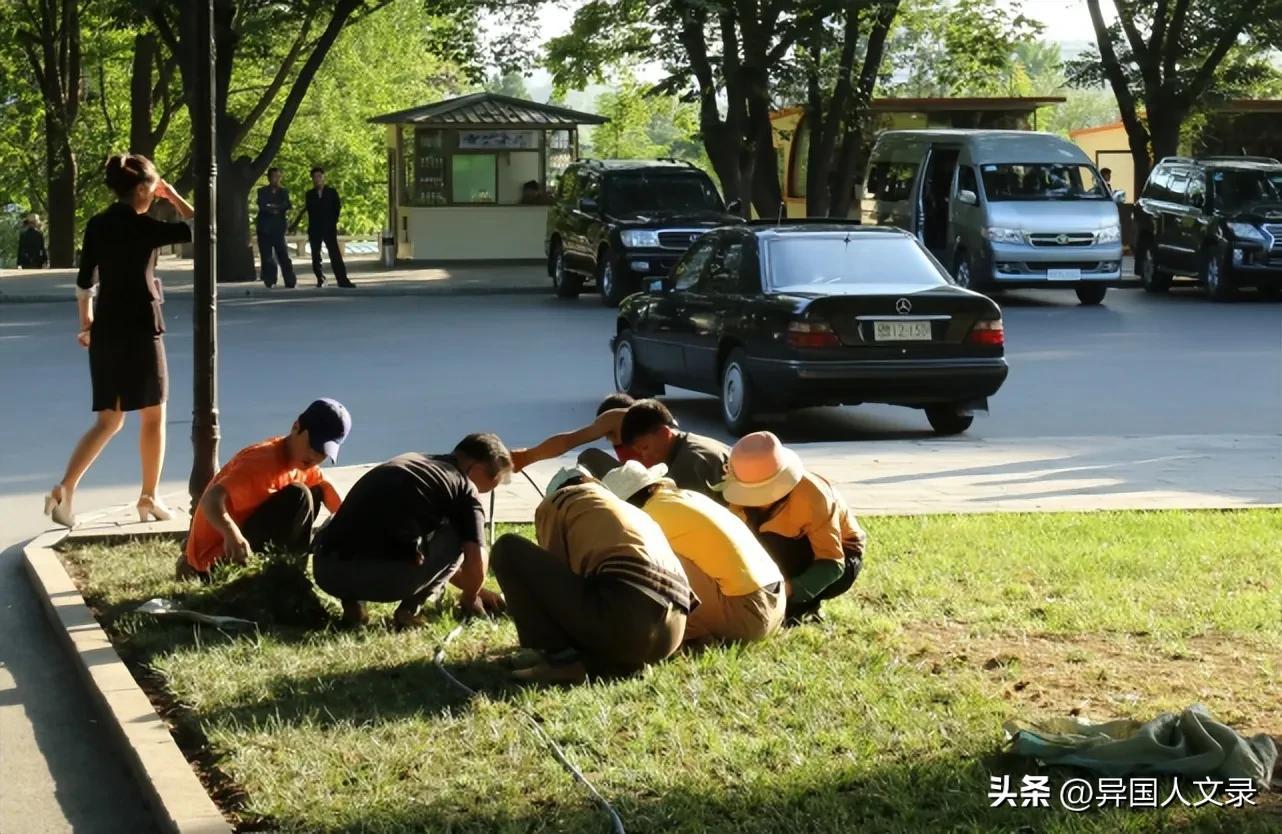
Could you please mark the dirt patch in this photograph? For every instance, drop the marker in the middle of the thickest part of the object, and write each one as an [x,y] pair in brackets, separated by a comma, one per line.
[1105,676]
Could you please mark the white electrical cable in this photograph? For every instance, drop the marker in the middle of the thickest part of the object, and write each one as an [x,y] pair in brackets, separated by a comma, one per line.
[536,723]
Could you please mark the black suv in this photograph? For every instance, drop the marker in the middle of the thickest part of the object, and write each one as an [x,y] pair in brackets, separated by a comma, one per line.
[615,222]
[1217,219]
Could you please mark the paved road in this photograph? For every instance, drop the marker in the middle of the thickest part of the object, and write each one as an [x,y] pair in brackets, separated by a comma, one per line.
[420,372]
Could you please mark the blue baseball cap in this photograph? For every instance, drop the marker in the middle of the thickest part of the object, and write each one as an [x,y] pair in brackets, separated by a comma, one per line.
[327,423]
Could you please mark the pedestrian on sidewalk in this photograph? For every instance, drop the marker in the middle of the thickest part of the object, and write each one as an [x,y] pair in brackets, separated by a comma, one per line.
[410,525]
[124,330]
[323,207]
[269,494]
[273,217]
[740,589]
[601,593]
[31,244]
[800,519]
[607,426]
[694,462]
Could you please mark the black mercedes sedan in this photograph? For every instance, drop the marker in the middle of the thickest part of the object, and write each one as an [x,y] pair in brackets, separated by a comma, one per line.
[773,317]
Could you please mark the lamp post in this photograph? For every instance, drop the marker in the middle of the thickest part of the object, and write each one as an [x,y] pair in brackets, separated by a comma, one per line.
[204,422]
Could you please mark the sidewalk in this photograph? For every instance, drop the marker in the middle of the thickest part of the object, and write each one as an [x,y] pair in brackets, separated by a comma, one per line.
[1071,474]
[369,275]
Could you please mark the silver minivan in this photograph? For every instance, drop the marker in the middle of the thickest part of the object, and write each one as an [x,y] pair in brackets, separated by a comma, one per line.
[1002,209]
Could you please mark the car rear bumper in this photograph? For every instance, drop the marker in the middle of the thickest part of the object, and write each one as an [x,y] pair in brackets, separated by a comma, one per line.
[897,381]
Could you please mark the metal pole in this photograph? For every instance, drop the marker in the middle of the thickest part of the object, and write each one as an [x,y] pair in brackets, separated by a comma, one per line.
[204,416]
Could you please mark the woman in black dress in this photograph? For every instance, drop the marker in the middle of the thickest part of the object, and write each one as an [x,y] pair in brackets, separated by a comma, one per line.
[123,331]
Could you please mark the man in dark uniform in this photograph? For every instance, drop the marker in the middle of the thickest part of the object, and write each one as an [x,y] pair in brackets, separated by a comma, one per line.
[31,244]
[323,207]
[273,211]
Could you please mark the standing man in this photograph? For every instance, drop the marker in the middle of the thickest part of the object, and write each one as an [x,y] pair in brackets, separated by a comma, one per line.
[31,244]
[323,207]
[273,216]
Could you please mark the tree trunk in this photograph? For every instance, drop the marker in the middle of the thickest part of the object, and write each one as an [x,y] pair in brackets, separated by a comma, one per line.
[764,174]
[141,139]
[60,170]
[235,255]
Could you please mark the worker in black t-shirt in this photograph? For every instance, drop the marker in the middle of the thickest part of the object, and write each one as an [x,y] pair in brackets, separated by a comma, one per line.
[410,525]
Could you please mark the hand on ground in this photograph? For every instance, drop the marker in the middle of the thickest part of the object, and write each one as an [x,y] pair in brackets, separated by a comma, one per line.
[236,549]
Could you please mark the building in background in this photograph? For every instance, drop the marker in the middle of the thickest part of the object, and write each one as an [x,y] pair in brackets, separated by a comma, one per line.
[458,170]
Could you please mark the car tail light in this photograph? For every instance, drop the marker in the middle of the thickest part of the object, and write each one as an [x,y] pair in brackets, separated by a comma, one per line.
[812,334]
[988,332]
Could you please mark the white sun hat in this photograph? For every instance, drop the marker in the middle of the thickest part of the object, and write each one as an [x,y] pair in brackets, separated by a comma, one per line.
[563,477]
[761,471]
[627,480]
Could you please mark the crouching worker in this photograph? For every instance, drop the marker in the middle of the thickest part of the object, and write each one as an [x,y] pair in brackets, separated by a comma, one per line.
[410,525]
[694,462]
[740,589]
[601,593]
[269,494]
[799,518]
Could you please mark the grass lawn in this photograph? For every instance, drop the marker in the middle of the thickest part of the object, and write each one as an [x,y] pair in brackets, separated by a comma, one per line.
[886,718]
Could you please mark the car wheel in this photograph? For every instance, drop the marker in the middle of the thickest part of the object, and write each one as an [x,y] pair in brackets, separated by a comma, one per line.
[1213,279]
[964,271]
[1153,279]
[614,285]
[945,420]
[564,283]
[739,398]
[629,376]
[1091,294]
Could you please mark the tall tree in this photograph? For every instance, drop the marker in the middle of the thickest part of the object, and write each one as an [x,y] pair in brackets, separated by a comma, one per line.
[1165,59]
[48,32]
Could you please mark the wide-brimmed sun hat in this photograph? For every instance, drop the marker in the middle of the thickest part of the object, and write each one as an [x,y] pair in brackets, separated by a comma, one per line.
[761,471]
[560,479]
[627,480]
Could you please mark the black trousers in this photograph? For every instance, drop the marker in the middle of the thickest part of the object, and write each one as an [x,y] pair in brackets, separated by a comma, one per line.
[794,556]
[273,250]
[373,578]
[284,521]
[330,239]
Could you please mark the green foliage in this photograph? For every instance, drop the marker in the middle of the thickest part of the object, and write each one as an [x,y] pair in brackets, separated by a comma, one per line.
[382,63]
[645,125]
[958,48]
[508,84]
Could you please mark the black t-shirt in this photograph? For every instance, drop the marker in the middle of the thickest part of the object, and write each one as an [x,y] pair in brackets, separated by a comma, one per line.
[119,254]
[396,503]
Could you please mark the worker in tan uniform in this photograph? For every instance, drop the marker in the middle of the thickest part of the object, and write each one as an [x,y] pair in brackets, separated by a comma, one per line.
[601,593]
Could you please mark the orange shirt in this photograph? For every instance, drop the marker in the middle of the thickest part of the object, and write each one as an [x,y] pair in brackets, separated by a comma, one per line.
[249,479]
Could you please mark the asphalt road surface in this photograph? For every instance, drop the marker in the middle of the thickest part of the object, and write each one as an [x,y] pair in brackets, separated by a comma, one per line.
[418,373]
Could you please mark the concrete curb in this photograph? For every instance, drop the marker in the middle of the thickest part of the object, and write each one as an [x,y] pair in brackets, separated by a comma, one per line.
[178,800]
[234,291]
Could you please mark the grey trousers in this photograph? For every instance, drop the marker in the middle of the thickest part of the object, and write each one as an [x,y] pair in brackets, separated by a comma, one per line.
[615,628]
[372,579]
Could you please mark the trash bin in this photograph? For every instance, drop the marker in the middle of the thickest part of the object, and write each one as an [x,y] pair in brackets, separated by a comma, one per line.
[389,248]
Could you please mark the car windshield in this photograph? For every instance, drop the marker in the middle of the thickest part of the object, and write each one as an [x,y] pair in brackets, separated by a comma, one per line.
[850,260]
[644,193]
[1042,181]
[1235,189]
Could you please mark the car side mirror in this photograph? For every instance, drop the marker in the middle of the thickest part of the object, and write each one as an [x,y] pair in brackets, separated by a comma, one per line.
[734,206]
[968,197]
[587,204]
[1119,196]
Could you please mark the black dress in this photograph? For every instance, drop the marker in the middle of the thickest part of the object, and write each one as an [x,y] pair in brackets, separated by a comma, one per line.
[126,352]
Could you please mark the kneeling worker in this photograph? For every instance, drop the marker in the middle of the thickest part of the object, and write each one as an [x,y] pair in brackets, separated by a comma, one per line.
[740,589]
[410,525]
[800,518]
[268,495]
[601,592]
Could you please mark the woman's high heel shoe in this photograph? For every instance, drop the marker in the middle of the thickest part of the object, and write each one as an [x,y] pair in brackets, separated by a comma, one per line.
[58,508]
[151,508]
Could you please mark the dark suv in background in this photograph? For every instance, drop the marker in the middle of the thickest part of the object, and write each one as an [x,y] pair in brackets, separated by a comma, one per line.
[1216,219]
[617,222]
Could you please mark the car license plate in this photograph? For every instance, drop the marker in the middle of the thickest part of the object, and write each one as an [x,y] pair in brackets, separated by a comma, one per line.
[901,331]
[1063,274]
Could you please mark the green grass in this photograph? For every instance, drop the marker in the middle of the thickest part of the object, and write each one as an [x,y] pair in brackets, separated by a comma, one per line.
[886,718]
